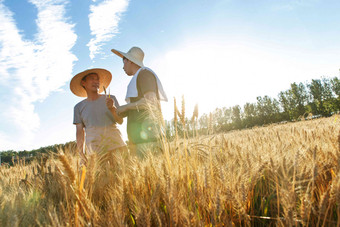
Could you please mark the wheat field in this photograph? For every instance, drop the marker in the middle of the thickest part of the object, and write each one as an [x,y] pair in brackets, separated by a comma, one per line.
[286,175]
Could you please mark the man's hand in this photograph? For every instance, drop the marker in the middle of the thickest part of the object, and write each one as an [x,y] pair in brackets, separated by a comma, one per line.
[113,109]
[110,104]
[122,109]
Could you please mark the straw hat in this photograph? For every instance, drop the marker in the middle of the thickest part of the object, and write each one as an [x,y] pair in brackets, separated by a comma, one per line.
[104,80]
[135,54]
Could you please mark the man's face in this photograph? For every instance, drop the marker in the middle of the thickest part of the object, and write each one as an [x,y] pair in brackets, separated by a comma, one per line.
[91,82]
[127,66]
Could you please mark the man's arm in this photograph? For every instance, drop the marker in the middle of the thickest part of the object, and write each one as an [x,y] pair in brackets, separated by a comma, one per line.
[117,118]
[80,136]
[149,98]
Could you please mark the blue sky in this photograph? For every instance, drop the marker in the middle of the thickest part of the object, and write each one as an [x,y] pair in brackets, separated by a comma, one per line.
[216,53]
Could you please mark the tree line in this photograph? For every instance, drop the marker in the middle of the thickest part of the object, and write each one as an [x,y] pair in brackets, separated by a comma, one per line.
[11,156]
[318,98]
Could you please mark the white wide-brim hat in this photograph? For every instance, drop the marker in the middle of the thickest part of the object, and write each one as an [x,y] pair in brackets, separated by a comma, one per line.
[135,54]
[104,81]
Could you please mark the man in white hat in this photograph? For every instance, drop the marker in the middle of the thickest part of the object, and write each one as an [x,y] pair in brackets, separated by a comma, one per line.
[144,89]
[95,117]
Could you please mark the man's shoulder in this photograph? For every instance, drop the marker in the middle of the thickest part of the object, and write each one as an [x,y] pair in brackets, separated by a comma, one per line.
[145,73]
[80,104]
[146,76]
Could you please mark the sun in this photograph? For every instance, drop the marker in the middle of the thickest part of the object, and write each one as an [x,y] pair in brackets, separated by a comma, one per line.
[206,75]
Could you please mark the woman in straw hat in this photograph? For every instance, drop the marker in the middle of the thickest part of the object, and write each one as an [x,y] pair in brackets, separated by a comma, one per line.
[144,89]
[95,117]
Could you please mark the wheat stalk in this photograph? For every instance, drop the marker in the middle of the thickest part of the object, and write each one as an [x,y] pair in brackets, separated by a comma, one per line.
[175,119]
[67,167]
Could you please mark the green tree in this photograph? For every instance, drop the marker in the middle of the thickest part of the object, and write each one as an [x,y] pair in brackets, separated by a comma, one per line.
[218,119]
[249,115]
[335,86]
[298,99]
[293,101]
[321,95]
[285,105]
[236,117]
[268,109]
[203,124]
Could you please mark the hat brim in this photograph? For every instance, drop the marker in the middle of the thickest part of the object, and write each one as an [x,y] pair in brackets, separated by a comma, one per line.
[131,58]
[105,78]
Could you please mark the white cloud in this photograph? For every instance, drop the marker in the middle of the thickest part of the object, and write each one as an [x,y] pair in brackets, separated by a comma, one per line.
[31,70]
[104,19]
